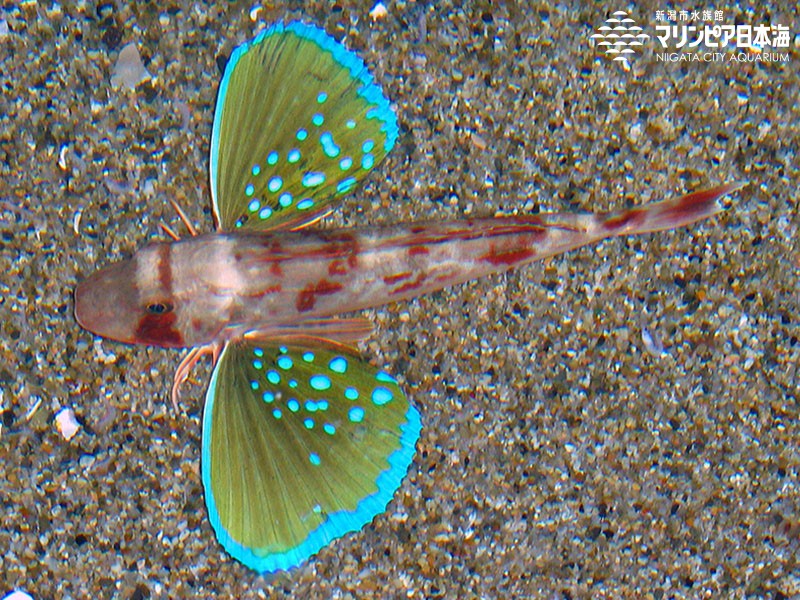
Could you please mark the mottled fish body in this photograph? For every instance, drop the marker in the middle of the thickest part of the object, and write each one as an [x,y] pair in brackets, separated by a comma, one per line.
[220,286]
[304,441]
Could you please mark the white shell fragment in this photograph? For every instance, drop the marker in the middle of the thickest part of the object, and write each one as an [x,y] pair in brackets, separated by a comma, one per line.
[129,69]
[66,423]
[18,595]
[378,11]
[652,343]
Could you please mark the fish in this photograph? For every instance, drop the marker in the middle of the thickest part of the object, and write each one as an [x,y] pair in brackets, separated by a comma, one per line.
[304,440]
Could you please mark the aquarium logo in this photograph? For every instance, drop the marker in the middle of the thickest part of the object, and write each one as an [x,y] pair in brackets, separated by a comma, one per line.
[620,36]
[700,36]
[697,35]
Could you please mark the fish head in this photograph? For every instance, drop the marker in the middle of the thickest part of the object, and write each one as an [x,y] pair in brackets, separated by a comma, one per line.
[130,301]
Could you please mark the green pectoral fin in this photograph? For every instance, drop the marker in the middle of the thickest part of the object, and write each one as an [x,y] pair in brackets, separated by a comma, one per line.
[300,446]
[298,123]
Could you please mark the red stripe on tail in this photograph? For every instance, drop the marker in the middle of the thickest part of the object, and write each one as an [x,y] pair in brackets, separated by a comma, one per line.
[669,214]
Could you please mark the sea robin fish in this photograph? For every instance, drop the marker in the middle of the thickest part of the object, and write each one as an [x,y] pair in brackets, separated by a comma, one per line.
[303,441]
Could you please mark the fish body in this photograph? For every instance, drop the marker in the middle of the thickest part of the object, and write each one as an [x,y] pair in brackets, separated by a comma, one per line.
[217,287]
[303,440]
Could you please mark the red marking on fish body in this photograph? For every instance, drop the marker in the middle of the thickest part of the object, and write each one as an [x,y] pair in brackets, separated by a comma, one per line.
[307,298]
[164,268]
[630,218]
[273,289]
[419,237]
[337,267]
[340,236]
[158,330]
[331,244]
[417,250]
[323,251]
[692,205]
[274,255]
[274,248]
[396,278]
[411,285]
[335,245]
[507,257]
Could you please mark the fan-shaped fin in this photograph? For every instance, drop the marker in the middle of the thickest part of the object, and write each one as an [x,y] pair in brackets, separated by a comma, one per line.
[298,123]
[300,446]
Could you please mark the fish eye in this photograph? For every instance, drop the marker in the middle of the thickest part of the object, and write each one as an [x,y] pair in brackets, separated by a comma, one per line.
[158,308]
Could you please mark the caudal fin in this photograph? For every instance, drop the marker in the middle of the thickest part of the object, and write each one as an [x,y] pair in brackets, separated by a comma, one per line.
[669,214]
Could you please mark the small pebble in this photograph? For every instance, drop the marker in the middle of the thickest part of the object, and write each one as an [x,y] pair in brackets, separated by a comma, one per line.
[378,11]
[67,424]
[129,70]
[18,595]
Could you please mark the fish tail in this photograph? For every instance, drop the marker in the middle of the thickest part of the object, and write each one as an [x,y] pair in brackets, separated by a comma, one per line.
[668,214]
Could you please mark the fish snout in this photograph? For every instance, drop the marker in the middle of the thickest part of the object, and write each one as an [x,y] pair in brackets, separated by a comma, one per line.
[105,303]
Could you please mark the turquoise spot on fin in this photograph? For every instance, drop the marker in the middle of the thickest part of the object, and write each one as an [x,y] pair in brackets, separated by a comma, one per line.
[313,179]
[356,414]
[320,382]
[346,185]
[330,149]
[384,377]
[381,396]
[338,365]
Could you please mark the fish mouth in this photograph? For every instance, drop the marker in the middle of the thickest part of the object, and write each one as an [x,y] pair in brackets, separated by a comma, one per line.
[82,309]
